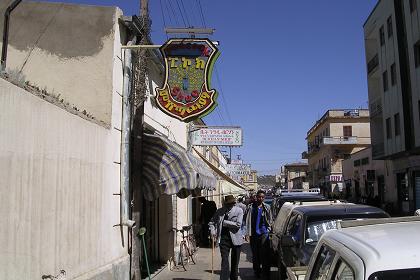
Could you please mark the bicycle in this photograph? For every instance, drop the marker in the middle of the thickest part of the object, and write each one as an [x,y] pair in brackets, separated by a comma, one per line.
[186,253]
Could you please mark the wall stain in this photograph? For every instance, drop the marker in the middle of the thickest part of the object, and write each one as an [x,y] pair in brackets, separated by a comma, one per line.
[65,30]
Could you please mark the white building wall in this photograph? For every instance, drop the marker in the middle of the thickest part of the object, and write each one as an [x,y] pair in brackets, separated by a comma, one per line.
[58,174]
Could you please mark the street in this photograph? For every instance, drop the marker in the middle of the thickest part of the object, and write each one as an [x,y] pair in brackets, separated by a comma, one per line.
[202,268]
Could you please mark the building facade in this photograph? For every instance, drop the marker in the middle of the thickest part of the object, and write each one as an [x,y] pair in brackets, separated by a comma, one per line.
[370,181]
[295,175]
[335,136]
[392,47]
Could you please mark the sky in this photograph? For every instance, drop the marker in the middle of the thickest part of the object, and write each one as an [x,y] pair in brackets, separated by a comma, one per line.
[283,64]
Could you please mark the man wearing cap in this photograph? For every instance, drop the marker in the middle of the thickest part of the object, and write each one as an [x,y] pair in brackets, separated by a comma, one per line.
[225,229]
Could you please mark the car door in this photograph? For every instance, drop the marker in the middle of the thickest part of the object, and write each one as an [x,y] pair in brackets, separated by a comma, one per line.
[332,260]
[293,229]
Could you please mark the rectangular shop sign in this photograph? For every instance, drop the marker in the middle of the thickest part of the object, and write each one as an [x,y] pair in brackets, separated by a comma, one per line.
[226,136]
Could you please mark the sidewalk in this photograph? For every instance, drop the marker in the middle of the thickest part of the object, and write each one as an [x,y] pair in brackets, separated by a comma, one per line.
[202,268]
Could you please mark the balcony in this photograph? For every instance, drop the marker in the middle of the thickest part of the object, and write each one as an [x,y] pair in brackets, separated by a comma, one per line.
[372,64]
[345,140]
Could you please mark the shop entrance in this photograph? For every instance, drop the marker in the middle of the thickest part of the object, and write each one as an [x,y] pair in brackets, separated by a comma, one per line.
[417,189]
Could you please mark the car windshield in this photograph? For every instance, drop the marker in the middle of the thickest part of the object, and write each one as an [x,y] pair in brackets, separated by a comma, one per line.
[408,274]
[314,230]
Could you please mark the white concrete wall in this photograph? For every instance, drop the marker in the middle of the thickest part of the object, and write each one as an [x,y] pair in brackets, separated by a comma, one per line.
[58,177]
[65,49]
[57,180]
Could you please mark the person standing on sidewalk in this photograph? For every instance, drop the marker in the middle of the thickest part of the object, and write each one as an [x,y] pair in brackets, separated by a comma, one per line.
[257,228]
[225,229]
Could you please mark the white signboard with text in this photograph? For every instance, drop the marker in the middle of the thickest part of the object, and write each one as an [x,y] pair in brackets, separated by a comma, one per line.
[230,136]
[238,170]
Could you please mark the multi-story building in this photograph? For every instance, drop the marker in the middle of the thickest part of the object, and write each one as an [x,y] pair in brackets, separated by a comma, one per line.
[370,181]
[295,175]
[250,180]
[392,45]
[336,135]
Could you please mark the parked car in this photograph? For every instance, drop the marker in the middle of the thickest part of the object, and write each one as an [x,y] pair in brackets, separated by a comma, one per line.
[293,197]
[281,219]
[305,226]
[377,249]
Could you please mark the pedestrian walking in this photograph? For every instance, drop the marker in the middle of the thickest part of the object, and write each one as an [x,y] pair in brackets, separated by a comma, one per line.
[241,204]
[257,228]
[225,229]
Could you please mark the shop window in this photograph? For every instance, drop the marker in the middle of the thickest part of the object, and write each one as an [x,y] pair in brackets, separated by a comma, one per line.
[393,74]
[382,35]
[385,80]
[388,128]
[397,126]
[347,131]
[389,26]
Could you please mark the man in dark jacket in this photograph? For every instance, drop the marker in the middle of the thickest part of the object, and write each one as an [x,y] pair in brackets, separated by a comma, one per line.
[258,226]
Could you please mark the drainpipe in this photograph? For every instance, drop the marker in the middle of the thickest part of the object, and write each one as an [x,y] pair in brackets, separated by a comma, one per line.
[125,138]
[6,32]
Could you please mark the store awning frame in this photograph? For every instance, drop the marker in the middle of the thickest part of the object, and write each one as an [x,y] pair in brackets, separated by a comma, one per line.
[220,172]
[169,169]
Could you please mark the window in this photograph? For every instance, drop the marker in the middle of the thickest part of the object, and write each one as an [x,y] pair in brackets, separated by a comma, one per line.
[397,126]
[323,263]
[365,161]
[389,26]
[382,35]
[347,131]
[393,74]
[417,54]
[388,128]
[385,80]
[356,162]
[294,226]
[413,5]
[343,271]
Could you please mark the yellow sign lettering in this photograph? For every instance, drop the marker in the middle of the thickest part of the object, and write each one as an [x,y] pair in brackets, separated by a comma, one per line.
[186,62]
[199,63]
[173,61]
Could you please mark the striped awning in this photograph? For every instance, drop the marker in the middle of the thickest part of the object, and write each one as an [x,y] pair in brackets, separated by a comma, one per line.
[169,169]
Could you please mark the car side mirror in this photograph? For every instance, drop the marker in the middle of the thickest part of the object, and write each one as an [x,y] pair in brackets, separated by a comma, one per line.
[288,241]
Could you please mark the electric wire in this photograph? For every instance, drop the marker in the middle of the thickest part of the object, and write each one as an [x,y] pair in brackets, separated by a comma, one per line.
[163,17]
[221,92]
[202,14]
[173,12]
[186,13]
[180,12]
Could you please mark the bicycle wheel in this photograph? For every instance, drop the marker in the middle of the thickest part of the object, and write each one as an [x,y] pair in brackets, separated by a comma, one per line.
[193,244]
[184,255]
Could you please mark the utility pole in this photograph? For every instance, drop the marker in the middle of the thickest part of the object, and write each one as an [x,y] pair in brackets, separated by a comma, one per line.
[139,85]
